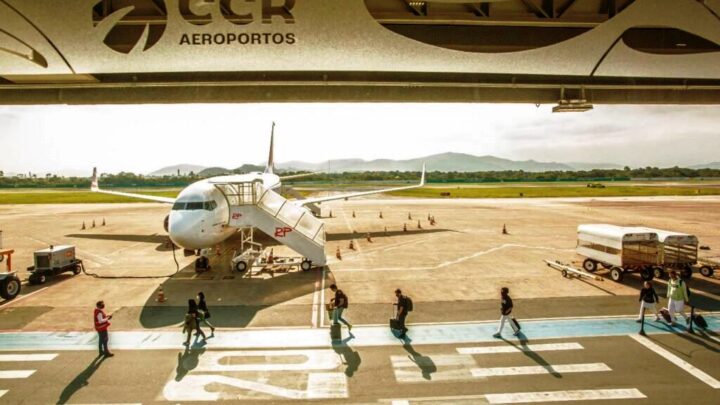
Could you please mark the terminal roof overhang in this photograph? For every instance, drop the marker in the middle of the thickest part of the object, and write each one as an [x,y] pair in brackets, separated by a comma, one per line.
[489,29]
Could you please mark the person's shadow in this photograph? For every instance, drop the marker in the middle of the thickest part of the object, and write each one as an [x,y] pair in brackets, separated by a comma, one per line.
[187,361]
[525,349]
[351,358]
[425,363]
[81,380]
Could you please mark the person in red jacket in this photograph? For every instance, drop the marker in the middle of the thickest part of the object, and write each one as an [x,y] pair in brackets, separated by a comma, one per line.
[102,323]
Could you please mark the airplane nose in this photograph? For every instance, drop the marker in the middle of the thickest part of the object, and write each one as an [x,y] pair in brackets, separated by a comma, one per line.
[184,231]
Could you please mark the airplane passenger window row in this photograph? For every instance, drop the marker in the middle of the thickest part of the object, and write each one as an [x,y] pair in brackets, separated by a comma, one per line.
[192,206]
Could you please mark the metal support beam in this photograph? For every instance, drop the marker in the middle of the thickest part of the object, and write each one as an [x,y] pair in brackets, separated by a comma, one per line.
[548,7]
[480,9]
[160,7]
[563,8]
[608,7]
[537,10]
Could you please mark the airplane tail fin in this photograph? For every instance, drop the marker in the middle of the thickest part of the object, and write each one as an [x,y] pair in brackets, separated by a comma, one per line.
[270,168]
[94,181]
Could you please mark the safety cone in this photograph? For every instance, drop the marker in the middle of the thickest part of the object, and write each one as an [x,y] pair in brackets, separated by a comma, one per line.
[103,222]
[432,221]
[352,245]
[386,231]
[504,231]
[83,227]
[404,227]
[419,226]
[353,214]
[381,215]
[428,217]
[161,295]
[337,253]
[93,225]
[369,238]
[331,214]
[409,216]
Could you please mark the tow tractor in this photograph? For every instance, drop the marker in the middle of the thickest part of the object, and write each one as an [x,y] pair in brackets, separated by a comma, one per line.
[9,281]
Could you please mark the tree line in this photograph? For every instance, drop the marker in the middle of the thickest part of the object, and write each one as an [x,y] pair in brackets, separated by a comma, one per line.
[127,179]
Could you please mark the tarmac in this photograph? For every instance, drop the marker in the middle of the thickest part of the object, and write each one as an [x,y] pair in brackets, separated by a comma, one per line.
[272,343]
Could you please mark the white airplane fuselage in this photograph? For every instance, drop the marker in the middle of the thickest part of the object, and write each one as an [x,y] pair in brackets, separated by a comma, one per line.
[199,217]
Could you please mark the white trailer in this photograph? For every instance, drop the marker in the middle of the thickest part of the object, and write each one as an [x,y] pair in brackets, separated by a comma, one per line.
[620,249]
[678,251]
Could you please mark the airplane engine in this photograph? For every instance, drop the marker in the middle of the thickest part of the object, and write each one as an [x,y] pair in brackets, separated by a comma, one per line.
[166,223]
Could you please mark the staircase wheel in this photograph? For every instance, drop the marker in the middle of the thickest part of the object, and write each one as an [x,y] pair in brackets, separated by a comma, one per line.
[306,265]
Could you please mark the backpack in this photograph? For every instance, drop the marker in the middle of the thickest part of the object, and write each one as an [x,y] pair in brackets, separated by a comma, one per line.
[409,303]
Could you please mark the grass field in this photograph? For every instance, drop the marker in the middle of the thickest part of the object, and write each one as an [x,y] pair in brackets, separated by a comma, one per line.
[74,197]
[557,191]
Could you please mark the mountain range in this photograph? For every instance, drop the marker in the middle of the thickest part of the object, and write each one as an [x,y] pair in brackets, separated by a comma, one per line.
[444,162]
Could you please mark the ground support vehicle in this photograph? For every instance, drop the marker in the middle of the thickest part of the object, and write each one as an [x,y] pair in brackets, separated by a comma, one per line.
[619,249]
[53,261]
[678,252]
[10,284]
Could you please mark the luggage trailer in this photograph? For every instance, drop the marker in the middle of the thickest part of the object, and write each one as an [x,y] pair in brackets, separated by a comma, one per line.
[678,251]
[619,249]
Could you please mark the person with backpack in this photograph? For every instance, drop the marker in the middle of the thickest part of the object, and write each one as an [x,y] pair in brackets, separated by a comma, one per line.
[648,300]
[506,307]
[404,306]
[204,313]
[677,294]
[339,303]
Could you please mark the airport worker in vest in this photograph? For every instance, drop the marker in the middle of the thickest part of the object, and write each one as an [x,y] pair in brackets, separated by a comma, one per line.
[506,307]
[102,323]
[677,295]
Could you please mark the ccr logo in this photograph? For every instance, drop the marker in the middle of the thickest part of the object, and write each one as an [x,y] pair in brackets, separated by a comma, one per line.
[127,26]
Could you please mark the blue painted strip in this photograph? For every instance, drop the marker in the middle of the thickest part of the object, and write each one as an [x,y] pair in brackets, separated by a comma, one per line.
[363,336]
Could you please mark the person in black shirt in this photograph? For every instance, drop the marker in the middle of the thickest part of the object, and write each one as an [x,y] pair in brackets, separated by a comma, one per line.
[203,312]
[402,312]
[506,307]
[193,311]
[339,304]
[648,300]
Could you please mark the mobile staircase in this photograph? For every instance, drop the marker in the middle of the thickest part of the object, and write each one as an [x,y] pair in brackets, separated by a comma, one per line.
[252,205]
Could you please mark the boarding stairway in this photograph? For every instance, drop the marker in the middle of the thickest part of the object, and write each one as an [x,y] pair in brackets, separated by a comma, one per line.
[253,205]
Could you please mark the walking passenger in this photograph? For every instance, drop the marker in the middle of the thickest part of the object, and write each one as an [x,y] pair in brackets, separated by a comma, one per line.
[193,309]
[677,295]
[102,323]
[506,307]
[404,306]
[648,300]
[189,326]
[339,304]
[203,312]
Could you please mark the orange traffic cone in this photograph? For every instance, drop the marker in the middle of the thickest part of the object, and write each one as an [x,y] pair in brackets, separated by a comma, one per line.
[161,295]
[386,231]
[381,215]
[419,226]
[83,227]
[93,225]
[352,245]
[369,238]
[337,253]
[504,231]
[409,216]
[428,217]
[404,227]
[331,214]
[353,214]
[432,221]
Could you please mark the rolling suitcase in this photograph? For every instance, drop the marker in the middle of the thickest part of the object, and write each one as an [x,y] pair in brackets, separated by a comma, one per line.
[394,322]
[700,322]
[335,332]
[666,315]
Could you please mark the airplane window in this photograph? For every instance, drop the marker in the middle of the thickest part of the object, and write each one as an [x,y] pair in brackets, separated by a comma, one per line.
[195,205]
[210,205]
[178,206]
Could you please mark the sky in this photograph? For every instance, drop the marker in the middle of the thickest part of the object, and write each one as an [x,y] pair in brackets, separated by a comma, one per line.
[71,140]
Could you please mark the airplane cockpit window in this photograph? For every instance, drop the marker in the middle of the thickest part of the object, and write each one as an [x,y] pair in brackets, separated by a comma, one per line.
[195,206]
[210,205]
[179,206]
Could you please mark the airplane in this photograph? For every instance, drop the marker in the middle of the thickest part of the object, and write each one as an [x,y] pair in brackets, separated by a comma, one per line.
[202,217]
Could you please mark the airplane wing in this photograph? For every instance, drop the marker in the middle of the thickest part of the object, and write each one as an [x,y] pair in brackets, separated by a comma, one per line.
[318,200]
[297,176]
[96,189]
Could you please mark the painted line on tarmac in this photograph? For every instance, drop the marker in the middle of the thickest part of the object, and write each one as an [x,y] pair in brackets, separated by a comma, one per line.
[10,374]
[3,392]
[520,349]
[28,357]
[529,397]
[684,365]
[534,370]
[322,297]
[316,301]
[363,336]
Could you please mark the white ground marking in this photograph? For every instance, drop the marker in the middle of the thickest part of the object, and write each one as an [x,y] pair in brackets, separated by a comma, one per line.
[3,392]
[557,396]
[316,304]
[322,298]
[6,374]
[531,370]
[684,365]
[251,375]
[28,357]
[441,367]
[519,349]
[528,397]
[436,360]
